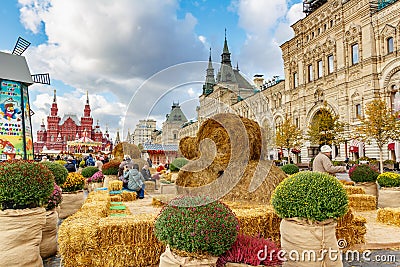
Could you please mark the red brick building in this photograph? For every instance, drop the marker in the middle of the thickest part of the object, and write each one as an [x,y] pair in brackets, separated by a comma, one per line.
[69,128]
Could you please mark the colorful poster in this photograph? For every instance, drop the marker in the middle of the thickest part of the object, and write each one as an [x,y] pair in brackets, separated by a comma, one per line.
[27,123]
[11,125]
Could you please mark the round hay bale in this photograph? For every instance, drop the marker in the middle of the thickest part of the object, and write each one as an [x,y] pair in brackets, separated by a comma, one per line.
[256,185]
[215,129]
[140,162]
[188,147]
[125,148]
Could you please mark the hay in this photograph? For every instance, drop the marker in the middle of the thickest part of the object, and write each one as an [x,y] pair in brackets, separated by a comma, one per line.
[150,186]
[128,196]
[140,162]
[188,147]
[351,229]
[362,202]
[115,185]
[116,198]
[162,200]
[350,183]
[125,148]
[351,190]
[263,174]
[389,216]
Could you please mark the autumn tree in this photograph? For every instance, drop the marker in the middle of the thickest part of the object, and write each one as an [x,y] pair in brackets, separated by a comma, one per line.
[379,124]
[288,136]
[325,129]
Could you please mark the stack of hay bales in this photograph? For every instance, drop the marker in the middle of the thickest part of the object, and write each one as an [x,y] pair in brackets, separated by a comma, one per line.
[389,216]
[352,229]
[230,165]
[358,200]
[91,238]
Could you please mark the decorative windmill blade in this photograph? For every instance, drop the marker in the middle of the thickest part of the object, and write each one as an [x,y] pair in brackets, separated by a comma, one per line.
[41,78]
[20,46]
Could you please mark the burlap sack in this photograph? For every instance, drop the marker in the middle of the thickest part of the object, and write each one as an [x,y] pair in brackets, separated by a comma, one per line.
[303,243]
[370,188]
[71,203]
[170,259]
[20,236]
[48,246]
[389,197]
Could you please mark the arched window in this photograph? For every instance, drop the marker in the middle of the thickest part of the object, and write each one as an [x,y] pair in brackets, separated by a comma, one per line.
[389,44]
[395,99]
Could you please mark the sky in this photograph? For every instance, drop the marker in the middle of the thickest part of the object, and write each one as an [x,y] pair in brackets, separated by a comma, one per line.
[134,57]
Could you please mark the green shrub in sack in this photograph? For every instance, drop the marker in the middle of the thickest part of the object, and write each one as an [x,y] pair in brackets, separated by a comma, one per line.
[363,173]
[310,195]
[197,224]
[111,167]
[89,171]
[290,168]
[177,164]
[389,179]
[24,184]
[59,171]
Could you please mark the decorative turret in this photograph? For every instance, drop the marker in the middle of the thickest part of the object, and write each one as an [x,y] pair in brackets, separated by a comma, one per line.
[117,139]
[86,112]
[210,79]
[54,108]
[226,56]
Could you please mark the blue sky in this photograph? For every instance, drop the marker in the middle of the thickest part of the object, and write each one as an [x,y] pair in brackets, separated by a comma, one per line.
[136,57]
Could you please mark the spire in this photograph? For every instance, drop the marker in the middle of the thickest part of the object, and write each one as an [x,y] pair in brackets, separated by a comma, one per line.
[226,56]
[54,97]
[87,110]
[117,139]
[210,79]
[237,66]
[87,97]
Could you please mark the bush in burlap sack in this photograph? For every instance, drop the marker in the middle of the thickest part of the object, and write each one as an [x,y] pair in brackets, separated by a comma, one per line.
[225,161]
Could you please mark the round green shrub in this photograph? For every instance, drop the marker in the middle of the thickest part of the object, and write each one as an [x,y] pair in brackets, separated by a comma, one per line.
[24,184]
[89,171]
[290,169]
[177,164]
[389,179]
[310,195]
[111,167]
[363,173]
[59,171]
[197,224]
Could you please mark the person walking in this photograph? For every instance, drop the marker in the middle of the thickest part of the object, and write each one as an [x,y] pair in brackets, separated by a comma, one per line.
[147,175]
[323,163]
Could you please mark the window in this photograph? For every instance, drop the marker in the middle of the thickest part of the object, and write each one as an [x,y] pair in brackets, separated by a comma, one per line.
[310,73]
[389,45]
[295,80]
[395,102]
[175,137]
[330,64]
[320,69]
[297,123]
[358,110]
[354,54]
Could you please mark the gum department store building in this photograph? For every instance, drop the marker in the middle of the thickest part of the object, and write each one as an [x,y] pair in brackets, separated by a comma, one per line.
[343,55]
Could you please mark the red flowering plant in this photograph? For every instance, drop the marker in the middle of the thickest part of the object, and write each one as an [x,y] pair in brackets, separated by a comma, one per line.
[363,173]
[55,198]
[197,224]
[24,184]
[111,167]
[98,177]
[252,250]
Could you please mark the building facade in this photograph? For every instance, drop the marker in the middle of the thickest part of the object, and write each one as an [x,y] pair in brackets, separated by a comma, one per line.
[343,55]
[68,128]
[172,125]
[144,131]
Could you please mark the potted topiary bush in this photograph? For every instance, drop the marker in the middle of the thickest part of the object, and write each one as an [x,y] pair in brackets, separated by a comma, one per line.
[389,190]
[251,251]
[48,245]
[59,171]
[290,169]
[309,204]
[72,194]
[195,225]
[96,181]
[365,176]
[110,171]
[25,188]
[177,164]
[89,171]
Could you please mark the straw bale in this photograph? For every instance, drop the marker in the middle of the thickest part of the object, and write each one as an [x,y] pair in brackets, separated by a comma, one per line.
[260,176]
[389,216]
[188,147]
[351,228]
[344,182]
[162,200]
[362,202]
[351,190]
[124,148]
[217,128]
[150,186]
[128,196]
[115,185]
[116,198]
[98,196]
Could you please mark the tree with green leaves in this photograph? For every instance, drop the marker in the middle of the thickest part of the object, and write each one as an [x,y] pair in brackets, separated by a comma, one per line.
[325,128]
[379,124]
[288,136]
